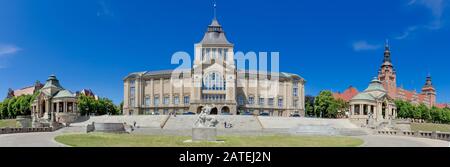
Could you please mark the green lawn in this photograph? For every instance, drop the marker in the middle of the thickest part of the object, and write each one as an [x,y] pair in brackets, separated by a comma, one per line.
[430,127]
[7,123]
[127,140]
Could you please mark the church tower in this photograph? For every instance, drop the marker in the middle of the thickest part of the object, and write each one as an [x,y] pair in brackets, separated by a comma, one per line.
[429,91]
[387,74]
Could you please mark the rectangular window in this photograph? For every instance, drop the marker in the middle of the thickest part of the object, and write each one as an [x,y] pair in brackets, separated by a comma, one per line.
[225,54]
[270,101]
[176,100]
[241,100]
[165,111]
[251,100]
[147,101]
[186,100]
[156,99]
[166,100]
[132,93]
[295,89]
[295,103]
[261,101]
[280,102]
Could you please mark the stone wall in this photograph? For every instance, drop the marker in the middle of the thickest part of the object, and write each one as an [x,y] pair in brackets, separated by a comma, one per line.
[423,134]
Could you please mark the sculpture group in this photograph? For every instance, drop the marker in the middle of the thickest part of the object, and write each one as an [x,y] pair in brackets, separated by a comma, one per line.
[205,120]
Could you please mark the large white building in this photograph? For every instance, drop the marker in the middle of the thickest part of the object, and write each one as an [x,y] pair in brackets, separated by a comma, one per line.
[215,81]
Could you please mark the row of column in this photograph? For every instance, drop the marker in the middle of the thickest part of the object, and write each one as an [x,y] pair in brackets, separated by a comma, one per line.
[361,109]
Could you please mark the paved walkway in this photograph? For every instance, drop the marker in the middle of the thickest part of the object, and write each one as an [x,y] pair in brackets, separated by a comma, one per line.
[401,141]
[47,140]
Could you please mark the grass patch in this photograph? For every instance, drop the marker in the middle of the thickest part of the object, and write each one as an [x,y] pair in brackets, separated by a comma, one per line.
[127,140]
[430,127]
[11,123]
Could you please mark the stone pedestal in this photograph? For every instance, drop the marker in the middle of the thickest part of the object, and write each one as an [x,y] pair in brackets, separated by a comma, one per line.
[204,134]
[24,121]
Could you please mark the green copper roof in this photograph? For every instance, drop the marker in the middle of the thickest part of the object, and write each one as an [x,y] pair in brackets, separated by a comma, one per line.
[363,96]
[64,94]
[375,85]
[52,82]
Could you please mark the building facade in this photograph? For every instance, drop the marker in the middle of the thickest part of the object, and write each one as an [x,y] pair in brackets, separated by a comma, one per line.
[388,76]
[52,102]
[373,104]
[30,90]
[214,80]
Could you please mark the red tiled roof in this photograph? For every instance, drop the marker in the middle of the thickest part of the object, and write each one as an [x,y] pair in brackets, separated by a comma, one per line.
[24,91]
[347,95]
[441,106]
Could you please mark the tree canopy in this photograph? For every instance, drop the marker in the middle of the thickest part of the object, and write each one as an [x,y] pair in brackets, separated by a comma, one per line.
[325,105]
[89,105]
[436,115]
[15,106]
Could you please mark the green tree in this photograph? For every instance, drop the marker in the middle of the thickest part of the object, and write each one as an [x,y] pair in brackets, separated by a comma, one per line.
[121,108]
[402,109]
[1,109]
[309,105]
[326,106]
[425,112]
[88,105]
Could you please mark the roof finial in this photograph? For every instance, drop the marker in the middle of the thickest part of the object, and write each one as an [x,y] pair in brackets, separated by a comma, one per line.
[215,9]
[387,44]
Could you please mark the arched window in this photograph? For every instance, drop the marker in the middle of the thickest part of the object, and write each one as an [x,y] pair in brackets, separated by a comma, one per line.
[214,81]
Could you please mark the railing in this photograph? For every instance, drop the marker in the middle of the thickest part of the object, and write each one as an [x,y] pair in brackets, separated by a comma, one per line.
[423,134]
[25,130]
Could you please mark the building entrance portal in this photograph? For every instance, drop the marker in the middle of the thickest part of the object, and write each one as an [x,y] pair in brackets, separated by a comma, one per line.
[225,110]
[214,111]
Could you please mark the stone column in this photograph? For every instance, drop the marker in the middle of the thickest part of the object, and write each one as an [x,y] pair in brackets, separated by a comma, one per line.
[65,107]
[352,112]
[57,107]
[152,92]
[361,109]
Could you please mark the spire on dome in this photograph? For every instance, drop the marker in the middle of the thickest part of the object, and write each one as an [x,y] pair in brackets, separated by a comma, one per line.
[215,9]
[429,81]
[387,52]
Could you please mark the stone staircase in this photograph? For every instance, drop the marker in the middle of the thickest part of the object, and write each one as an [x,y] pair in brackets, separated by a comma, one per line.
[148,121]
[240,123]
[311,126]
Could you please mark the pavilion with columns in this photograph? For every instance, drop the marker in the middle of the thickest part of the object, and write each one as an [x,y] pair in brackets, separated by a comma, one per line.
[374,104]
[52,102]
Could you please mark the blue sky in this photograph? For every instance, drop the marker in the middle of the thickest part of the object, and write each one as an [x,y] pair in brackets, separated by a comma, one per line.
[333,44]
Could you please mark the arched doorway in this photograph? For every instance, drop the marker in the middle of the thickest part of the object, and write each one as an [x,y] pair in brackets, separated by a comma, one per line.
[199,109]
[214,111]
[225,110]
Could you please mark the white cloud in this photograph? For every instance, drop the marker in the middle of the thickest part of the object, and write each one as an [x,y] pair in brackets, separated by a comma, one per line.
[437,9]
[436,6]
[364,45]
[8,49]
[105,9]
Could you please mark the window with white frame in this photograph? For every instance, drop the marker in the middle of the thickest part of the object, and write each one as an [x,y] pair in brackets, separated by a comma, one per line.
[280,102]
[147,101]
[251,100]
[176,100]
[270,101]
[156,101]
[166,100]
[261,101]
[132,93]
